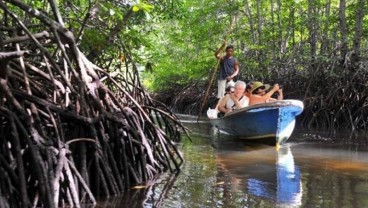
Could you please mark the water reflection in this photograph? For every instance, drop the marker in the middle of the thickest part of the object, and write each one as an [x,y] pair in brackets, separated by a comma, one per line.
[264,172]
[289,189]
[308,171]
[286,188]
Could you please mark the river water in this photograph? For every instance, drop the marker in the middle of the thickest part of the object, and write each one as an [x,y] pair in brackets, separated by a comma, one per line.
[313,169]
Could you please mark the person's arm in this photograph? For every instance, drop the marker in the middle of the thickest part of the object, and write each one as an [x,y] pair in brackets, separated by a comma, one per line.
[236,71]
[270,93]
[218,103]
[222,105]
[237,103]
[217,53]
[281,95]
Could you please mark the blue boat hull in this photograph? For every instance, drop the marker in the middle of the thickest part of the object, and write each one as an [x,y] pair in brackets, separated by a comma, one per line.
[274,121]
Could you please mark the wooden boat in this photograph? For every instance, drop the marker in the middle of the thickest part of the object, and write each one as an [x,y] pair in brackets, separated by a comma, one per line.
[273,121]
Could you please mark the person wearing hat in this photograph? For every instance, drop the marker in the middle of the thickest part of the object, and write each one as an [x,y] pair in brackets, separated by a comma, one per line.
[260,94]
[229,68]
[234,100]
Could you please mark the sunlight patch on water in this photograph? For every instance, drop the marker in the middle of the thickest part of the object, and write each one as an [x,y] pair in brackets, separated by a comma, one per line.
[346,166]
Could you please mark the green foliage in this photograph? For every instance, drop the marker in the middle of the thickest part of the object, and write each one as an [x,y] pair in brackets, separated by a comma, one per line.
[264,39]
[178,38]
[184,47]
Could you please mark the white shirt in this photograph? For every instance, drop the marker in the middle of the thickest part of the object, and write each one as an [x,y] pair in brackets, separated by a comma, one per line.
[244,102]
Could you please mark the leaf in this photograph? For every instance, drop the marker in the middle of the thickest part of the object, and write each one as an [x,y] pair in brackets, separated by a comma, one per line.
[112,12]
[147,7]
[135,9]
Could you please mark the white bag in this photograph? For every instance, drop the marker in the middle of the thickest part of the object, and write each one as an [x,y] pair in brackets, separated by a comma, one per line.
[212,113]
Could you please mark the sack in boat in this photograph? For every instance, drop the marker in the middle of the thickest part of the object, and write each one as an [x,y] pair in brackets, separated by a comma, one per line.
[212,113]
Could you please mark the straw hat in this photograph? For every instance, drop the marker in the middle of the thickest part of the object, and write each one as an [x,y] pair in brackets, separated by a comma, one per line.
[257,85]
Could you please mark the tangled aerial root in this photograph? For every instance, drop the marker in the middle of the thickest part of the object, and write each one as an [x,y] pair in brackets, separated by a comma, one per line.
[65,136]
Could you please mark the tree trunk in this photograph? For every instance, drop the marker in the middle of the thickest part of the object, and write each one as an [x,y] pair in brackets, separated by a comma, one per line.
[325,39]
[248,13]
[358,28]
[273,42]
[292,24]
[343,29]
[312,32]
[282,39]
[259,31]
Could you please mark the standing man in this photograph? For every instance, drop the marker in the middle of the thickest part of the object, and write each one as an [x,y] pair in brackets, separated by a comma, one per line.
[229,68]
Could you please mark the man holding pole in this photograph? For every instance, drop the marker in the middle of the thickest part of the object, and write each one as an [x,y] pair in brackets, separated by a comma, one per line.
[229,68]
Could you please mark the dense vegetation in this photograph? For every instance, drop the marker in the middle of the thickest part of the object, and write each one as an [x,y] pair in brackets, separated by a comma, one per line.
[317,49]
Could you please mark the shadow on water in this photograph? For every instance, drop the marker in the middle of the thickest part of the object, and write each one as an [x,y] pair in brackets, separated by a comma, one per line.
[313,169]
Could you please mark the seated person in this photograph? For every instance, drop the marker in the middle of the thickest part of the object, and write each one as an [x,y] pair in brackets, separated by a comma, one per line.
[260,94]
[214,113]
[229,89]
[234,100]
[248,89]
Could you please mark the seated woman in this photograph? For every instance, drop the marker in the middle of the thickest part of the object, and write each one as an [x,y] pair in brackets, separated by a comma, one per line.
[259,94]
[234,100]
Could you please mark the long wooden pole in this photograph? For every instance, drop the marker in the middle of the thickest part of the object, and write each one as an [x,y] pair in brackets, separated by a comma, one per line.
[214,72]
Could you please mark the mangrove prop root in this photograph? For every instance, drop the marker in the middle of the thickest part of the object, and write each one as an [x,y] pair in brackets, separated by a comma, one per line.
[70,132]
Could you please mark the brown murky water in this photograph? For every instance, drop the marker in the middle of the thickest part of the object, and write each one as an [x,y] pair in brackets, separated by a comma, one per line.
[313,169]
